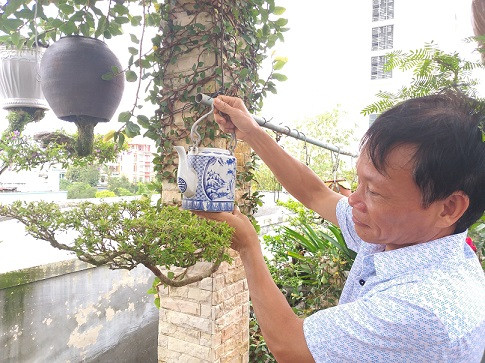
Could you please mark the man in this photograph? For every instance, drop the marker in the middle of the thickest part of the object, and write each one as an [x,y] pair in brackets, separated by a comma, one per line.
[416,291]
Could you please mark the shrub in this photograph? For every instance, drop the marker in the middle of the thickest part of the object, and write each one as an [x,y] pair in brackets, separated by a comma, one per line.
[64,184]
[477,233]
[80,190]
[122,192]
[105,194]
[309,262]
[121,182]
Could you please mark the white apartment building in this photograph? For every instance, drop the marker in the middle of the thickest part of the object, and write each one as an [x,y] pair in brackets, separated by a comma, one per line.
[408,25]
[135,163]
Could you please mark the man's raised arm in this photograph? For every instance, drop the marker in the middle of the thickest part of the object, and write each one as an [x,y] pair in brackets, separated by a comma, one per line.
[299,180]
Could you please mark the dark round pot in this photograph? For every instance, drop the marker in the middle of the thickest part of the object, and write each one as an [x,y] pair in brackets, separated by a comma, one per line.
[71,71]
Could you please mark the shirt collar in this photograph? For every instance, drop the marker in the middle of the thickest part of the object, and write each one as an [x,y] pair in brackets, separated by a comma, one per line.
[420,256]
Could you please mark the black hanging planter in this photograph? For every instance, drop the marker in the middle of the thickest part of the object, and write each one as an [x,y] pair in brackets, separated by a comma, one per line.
[71,78]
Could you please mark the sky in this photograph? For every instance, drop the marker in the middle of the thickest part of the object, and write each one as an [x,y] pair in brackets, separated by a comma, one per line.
[328,63]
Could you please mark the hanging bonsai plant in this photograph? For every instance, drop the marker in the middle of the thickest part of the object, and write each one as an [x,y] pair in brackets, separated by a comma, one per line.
[71,78]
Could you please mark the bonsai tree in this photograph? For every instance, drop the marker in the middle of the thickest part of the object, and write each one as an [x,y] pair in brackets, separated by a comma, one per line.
[228,41]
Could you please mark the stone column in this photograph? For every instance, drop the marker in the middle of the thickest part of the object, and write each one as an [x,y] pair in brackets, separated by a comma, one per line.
[207,321]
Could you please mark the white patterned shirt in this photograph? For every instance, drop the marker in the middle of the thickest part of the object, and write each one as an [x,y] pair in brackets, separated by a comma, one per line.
[422,303]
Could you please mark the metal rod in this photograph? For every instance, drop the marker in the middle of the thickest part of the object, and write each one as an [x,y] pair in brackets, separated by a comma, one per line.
[207,101]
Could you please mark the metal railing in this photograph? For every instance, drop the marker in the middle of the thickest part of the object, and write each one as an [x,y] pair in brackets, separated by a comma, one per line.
[285,130]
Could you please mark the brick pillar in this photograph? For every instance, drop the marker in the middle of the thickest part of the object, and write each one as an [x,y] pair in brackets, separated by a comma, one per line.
[207,321]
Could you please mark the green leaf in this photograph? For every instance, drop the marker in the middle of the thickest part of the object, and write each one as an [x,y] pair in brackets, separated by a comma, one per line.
[281,22]
[84,29]
[122,19]
[266,30]
[133,50]
[280,77]
[152,291]
[11,7]
[16,39]
[66,9]
[277,65]
[170,274]
[136,20]
[68,28]
[243,74]
[121,140]
[279,10]
[132,129]
[143,120]
[157,302]
[120,9]
[134,38]
[10,25]
[124,116]
[101,26]
[108,76]
[131,76]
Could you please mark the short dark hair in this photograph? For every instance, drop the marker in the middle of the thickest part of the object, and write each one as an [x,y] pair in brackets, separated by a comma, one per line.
[445,128]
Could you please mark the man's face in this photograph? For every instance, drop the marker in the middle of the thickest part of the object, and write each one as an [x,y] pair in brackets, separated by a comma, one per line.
[387,207]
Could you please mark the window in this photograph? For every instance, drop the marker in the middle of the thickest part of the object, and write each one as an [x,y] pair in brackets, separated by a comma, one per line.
[377,68]
[382,10]
[382,37]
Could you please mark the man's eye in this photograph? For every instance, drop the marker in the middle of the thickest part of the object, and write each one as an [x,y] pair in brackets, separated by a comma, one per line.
[371,192]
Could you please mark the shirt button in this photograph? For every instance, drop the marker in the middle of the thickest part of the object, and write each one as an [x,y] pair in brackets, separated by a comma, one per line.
[361,282]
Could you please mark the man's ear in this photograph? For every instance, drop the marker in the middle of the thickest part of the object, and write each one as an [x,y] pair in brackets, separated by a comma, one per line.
[453,207]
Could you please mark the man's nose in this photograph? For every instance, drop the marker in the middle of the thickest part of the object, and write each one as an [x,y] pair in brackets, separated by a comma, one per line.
[355,199]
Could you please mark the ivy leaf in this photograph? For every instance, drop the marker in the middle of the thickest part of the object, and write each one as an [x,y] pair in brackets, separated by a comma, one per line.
[134,38]
[124,116]
[243,74]
[101,26]
[265,30]
[16,39]
[280,77]
[136,20]
[68,28]
[281,22]
[278,64]
[132,129]
[108,76]
[143,120]
[84,28]
[66,8]
[11,7]
[279,10]
[131,76]
[121,139]
[120,9]
[11,25]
